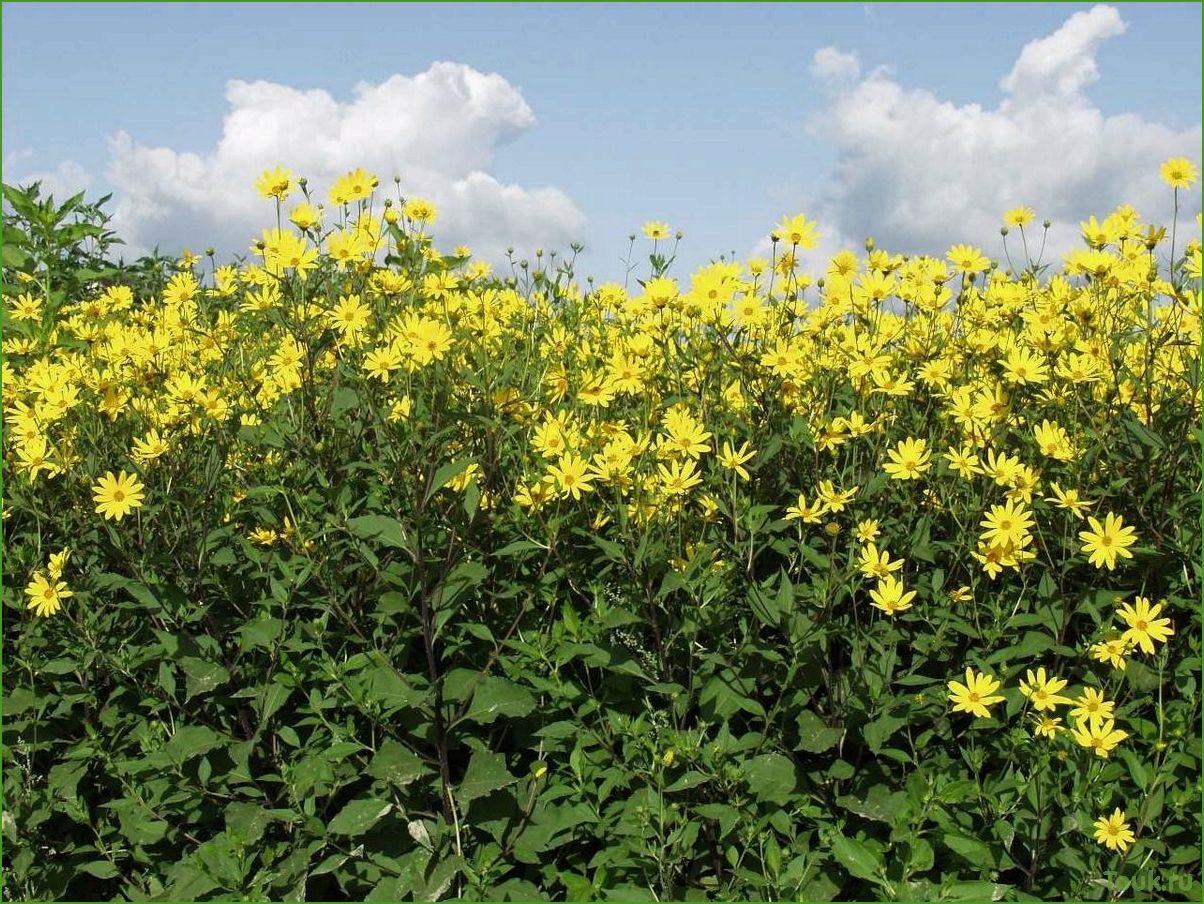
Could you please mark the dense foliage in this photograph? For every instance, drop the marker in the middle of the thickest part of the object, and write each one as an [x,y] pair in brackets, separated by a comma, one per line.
[354,570]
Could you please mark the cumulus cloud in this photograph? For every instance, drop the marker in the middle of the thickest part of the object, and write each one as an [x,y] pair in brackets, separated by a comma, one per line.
[835,67]
[1064,62]
[439,130]
[919,173]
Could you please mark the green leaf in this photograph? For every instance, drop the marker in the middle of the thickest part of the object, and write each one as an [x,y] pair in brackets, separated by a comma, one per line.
[876,733]
[101,869]
[384,686]
[815,736]
[486,773]
[358,816]
[191,741]
[499,697]
[770,777]
[855,856]
[203,676]
[259,632]
[971,849]
[687,781]
[396,764]
[380,529]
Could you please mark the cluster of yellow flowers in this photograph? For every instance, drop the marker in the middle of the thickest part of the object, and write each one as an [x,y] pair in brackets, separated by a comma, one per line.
[642,406]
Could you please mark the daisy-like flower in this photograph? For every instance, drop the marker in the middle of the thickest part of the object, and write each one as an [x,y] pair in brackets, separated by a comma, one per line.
[1046,726]
[46,595]
[890,597]
[868,530]
[117,496]
[1042,692]
[1113,649]
[735,459]
[1101,737]
[963,461]
[1145,627]
[975,695]
[656,230]
[1069,500]
[1018,216]
[1092,707]
[809,514]
[1006,524]
[908,460]
[1105,542]
[833,498]
[1178,172]
[572,475]
[877,564]
[1113,832]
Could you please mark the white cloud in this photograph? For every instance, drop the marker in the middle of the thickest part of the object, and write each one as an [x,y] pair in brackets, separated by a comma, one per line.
[438,130]
[919,173]
[1064,62]
[835,67]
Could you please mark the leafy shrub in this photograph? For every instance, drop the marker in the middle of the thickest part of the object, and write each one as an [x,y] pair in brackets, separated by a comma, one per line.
[358,571]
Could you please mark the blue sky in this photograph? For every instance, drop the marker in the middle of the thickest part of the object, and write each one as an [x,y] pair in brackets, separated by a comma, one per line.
[701,115]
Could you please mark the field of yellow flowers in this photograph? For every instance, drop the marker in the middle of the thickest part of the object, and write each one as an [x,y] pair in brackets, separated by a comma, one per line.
[357,570]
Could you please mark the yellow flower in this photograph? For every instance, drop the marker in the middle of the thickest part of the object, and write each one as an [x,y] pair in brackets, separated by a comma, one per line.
[356,185]
[890,597]
[679,478]
[868,530]
[809,514]
[835,500]
[305,216]
[1018,216]
[1104,542]
[975,695]
[797,230]
[1113,832]
[1100,736]
[1006,524]
[117,496]
[419,210]
[1042,692]
[656,230]
[875,564]
[275,183]
[967,259]
[1179,172]
[1092,707]
[735,460]
[58,562]
[1069,500]
[1113,649]
[1046,726]
[572,475]
[46,595]
[908,460]
[1145,628]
